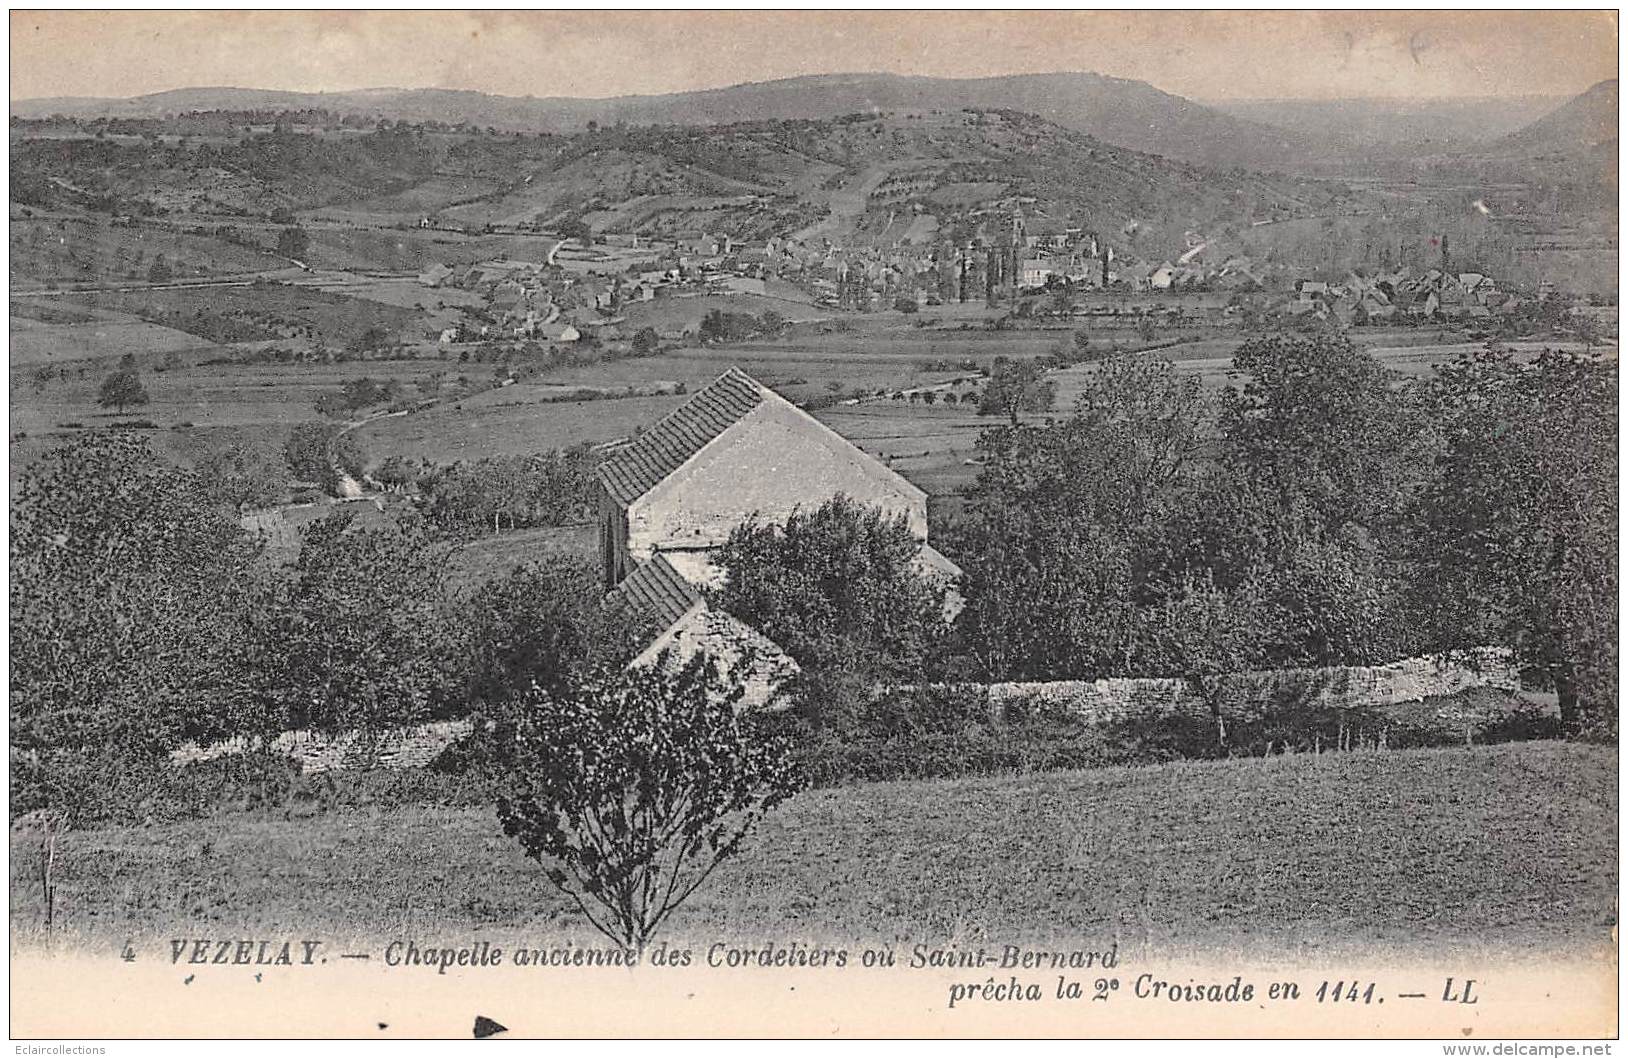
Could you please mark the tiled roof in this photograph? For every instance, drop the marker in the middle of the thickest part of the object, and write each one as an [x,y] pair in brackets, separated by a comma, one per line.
[656,593]
[935,563]
[632,471]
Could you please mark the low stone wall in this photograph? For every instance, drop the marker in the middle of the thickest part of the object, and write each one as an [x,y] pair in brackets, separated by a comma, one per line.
[1097,701]
[402,748]
[1343,687]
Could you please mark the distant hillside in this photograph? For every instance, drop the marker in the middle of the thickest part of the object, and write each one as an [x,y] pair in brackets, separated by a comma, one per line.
[1573,146]
[859,178]
[1579,127]
[1410,123]
[1126,113]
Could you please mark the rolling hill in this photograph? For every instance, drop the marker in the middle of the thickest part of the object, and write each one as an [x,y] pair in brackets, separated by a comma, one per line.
[1581,126]
[860,174]
[1125,113]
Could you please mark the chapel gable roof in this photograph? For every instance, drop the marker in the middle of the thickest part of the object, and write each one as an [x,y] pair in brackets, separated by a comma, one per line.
[636,468]
[655,592]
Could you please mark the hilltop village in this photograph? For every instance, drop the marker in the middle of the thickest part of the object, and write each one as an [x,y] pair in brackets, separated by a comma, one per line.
[1037,267]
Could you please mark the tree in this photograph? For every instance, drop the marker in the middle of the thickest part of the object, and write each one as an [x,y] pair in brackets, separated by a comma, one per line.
[1321,453]
[1016,386]
[720,326]
[632,786]
[1067,524]
[906,305]
[130,588]
[122,389]
[363,626]
[540,626]
[318,452]
[293,243]
[160,271]
[646,342]
[1148,413]
[1045,594]
[479,496]
[836,587]
[578,230]
[1204,633]
[1518,532]
[370,340]
[241,476]
[1319,422]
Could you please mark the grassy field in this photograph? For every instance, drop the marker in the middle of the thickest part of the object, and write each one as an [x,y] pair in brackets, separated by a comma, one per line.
[514,421]
[214,394]
[1478,848]
[35,343]
[488,558]
[879,352]
[405,249]
[270,310]
[54,251]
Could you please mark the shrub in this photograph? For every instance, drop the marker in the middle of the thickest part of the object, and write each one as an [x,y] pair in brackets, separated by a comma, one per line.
[633,786]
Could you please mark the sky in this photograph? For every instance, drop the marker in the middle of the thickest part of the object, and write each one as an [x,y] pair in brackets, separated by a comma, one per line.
[1212,56]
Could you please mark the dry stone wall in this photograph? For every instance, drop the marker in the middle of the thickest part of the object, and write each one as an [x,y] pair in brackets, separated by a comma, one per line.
[402,748]
[1345,687]
[1099,702]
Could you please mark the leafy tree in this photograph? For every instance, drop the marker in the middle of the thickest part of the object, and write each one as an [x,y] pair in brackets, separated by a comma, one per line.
[160,271]
[1518,531]
[293,243]
[128,589]
[318,452]
[646,342]
[1320,423]
[398,471]
[1016,386]
[1151,416]
[1321,454]
[242,476]
[1066,525]
[836,588]
[1204,633]
[578,230]
[1045,596]
[370,340]
[553,488]
[633,786]
[720,326]
[540,625]
[363,626]
[121,390]
[1082,346]
[906,305]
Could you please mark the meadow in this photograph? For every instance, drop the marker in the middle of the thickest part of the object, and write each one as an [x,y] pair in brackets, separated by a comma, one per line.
[48,251]
[1478,849]
[105,335]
